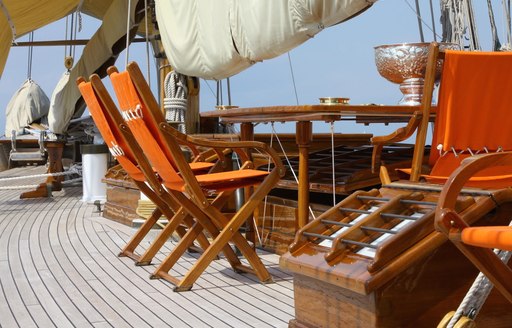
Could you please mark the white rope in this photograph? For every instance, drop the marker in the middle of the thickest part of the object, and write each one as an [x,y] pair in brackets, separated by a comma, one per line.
[128,16]
[477,294]
[470,151]
[420,19]
[175,101]
[293,78]
[146,27]
[75,169]
[290,166]
[43,175]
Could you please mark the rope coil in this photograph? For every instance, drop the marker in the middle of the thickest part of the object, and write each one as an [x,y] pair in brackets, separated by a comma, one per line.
[175,101]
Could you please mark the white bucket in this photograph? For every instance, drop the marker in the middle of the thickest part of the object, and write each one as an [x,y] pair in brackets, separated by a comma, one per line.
[94,167]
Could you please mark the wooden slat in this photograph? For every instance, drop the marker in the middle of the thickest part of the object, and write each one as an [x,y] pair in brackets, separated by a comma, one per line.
[59,267]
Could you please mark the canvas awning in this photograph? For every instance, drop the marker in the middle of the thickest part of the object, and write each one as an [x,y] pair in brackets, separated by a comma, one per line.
[18,17]
[29,15]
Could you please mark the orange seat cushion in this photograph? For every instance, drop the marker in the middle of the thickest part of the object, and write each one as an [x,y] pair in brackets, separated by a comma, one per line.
[200,166]
[221,181]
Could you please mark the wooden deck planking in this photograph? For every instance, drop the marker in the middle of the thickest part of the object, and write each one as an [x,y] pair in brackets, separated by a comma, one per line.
[216,286]
[59,267]
[151,286]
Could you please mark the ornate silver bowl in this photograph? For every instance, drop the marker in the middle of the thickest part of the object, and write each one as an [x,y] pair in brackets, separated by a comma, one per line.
[405,64]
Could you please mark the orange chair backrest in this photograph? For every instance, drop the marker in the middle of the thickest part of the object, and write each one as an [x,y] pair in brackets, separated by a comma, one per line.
[110,132]
[144,127]
[474,110]
[474,106]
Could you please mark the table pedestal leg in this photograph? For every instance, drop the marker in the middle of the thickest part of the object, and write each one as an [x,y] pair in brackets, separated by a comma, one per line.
[303,137]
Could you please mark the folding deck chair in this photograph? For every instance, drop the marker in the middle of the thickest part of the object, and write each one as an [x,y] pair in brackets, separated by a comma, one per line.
[160,143]
[131,158]
[477,243]
[472,118]
[373,236]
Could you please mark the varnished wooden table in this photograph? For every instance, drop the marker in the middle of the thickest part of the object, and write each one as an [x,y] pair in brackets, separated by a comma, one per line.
[304,115]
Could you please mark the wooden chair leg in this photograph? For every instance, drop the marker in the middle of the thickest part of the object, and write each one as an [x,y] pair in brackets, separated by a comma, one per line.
[229,232]
[163,236]
[129,249]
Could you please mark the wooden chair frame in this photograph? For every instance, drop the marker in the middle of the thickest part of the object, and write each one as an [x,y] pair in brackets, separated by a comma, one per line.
[194,200]
[150,185]
[450,223]
[418,122]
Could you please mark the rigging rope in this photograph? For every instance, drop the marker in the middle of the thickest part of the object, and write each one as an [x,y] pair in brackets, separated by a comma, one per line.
[420,18]
[146,27]
[496,44]
[506,13]
[30,54]
[432,21]
[128,15]
[293,78]
[75,169]
[290,166]
[420,25]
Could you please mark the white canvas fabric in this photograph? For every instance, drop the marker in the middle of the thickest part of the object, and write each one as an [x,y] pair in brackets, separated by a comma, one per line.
[28,104]
[98,50]
[217,39]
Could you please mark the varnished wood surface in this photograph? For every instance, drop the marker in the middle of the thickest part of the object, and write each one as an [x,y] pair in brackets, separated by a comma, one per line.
[59,267]
[390,113]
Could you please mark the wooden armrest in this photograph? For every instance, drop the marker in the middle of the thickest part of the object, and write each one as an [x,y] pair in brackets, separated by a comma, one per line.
[468,168]
[220,146]
[398,135]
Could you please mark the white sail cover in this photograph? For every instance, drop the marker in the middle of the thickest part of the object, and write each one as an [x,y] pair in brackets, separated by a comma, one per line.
[28,104]
[217,39]
[98,50]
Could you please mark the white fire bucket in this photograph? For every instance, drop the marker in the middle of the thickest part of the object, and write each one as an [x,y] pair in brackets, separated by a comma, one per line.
[94,167]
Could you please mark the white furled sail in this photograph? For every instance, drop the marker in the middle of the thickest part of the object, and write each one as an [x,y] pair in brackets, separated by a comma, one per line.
[27,105]
[97,52]
[217,39]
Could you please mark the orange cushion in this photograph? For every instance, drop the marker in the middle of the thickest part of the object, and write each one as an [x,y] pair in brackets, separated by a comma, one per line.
[200,166]
[495,177]
[220,181]
[489,237]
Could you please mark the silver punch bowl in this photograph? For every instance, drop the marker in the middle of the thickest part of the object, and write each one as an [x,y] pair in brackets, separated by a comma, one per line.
[405,64]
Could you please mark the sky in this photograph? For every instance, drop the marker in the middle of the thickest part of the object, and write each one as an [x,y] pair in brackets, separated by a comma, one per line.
[338,62]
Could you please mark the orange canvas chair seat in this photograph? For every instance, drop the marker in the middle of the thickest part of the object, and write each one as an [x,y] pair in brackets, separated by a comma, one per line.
[221,181]
[488,237]
[473,116]
[160,143]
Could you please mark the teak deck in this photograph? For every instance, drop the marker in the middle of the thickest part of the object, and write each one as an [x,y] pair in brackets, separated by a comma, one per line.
[59,267]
